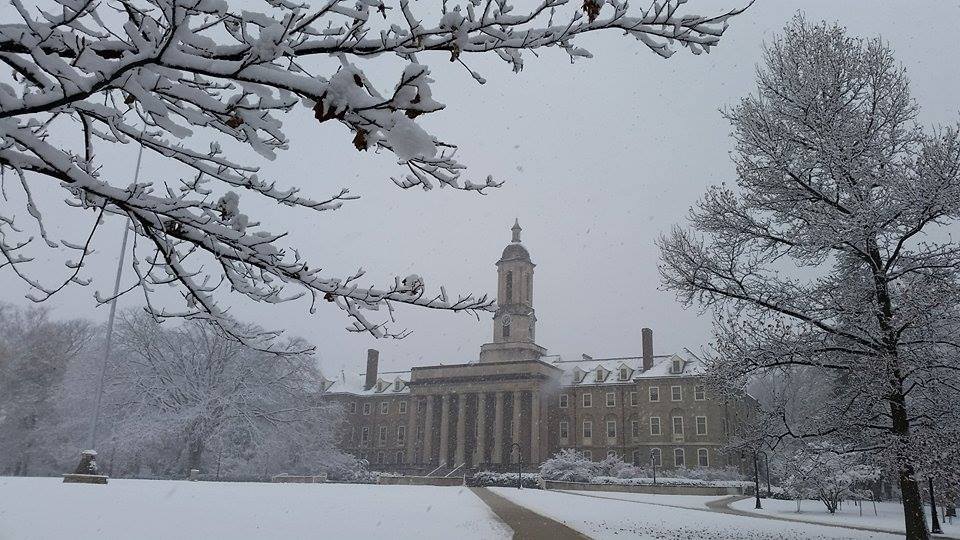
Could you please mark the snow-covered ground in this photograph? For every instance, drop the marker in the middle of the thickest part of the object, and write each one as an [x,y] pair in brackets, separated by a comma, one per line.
[615,519]
[685,501]
[890,514]
[45,508]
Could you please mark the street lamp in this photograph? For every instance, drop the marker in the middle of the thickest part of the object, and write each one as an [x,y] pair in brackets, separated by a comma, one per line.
[519,459]
[766,467]
[756,480]
[934,521]
[653,462]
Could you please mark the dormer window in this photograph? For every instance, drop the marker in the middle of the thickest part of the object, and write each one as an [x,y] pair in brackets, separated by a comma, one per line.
[624,374]
[600,375]
[578,376]
[677,366]
[397,385]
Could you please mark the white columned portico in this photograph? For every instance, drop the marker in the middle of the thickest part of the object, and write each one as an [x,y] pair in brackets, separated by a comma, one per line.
[498,428]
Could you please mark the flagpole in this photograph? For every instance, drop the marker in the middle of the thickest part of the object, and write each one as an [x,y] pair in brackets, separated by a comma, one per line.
[110,319]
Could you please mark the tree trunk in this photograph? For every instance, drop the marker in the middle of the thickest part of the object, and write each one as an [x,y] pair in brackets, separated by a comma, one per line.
[914,520]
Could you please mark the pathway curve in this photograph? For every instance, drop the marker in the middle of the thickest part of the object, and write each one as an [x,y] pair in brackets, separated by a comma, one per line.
[722,506]
[526,524]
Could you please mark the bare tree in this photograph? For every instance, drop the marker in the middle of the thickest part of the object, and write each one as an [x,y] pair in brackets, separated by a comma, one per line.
[830,254]
[34,354]
[193,384]
[161,73]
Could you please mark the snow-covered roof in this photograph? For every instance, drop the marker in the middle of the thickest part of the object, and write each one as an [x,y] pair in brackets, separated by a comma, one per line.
[593,371]
[388,383]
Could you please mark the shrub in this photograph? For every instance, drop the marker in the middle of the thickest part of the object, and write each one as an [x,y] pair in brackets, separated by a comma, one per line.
[496,479]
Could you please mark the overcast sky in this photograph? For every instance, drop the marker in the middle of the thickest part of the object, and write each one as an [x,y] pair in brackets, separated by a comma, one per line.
[599,157]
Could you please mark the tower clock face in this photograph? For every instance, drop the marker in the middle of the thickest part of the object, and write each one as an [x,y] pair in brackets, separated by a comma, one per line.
[506,320]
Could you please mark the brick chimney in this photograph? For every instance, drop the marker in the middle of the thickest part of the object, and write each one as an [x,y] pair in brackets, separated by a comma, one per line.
[646,341]
[373,358]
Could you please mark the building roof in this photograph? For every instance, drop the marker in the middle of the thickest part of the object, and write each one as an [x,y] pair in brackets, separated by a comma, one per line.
[388,383]
[515,252]
[585,372]
[604,371]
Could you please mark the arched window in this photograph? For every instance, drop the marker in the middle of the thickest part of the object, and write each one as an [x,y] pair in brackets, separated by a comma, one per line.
[509,287]
[529,288]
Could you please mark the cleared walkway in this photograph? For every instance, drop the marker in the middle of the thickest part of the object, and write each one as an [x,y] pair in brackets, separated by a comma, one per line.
[526,524]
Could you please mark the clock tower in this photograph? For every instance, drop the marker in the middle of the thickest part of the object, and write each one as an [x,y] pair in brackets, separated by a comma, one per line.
[514,323]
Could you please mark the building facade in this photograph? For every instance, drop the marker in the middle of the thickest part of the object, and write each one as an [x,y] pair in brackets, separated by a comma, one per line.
[516,402]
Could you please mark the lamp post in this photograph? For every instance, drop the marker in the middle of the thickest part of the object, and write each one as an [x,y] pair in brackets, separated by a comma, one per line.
[766,467]
[934,521]
[519,459]
[653,463]
[756,480]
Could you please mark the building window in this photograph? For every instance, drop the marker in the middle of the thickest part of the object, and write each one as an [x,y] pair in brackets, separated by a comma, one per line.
[654,393]
[600,375]
[634,400]
[564,401]
[506,328]
[402,407]
[509,287]
[678,425]
[564,429]
[366,408]
[678,457]
[382,435]
[654,425]
[611,429]
[611,399]
[588,454]
[379,458]
[699,393]
[365,435]
[401,434]
[656,458]
[399,457]
[637,456]
[587,429]
[529,290]
[352,407]
[624,374]
[677,366]
[635,428]
[676,393]
[701,425]
[384,407]
[703,457]
[588,400]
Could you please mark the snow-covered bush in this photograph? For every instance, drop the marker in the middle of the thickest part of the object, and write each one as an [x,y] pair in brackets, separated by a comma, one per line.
[705,473]
[569,465]
[498,479]
[819,472]
[354,472]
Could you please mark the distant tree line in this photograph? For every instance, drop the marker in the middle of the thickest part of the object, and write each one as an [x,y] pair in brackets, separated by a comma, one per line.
[176,397]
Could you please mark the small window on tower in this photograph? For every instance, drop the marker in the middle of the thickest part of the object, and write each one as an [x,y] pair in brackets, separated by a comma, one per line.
[509,287]
[529,290]
[506,328]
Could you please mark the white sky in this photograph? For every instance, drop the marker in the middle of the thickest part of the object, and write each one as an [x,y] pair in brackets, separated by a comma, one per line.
[599,158]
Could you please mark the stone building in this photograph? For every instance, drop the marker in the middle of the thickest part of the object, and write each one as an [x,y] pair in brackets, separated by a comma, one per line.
[517,397]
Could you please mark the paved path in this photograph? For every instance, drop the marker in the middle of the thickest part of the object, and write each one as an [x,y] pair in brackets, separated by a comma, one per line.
[526,524]
[723,506]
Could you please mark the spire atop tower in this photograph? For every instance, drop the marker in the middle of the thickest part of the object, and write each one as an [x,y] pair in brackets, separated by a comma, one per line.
[516,231]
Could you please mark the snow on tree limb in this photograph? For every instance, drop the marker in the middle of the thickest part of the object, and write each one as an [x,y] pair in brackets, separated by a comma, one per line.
[157,73]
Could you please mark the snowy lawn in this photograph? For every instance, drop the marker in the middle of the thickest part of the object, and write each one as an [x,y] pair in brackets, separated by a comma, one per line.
[890,518]
[608,518]
[45,508]
[686,501]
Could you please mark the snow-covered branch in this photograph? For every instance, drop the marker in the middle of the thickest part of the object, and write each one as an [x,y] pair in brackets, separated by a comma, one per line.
[164,74]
